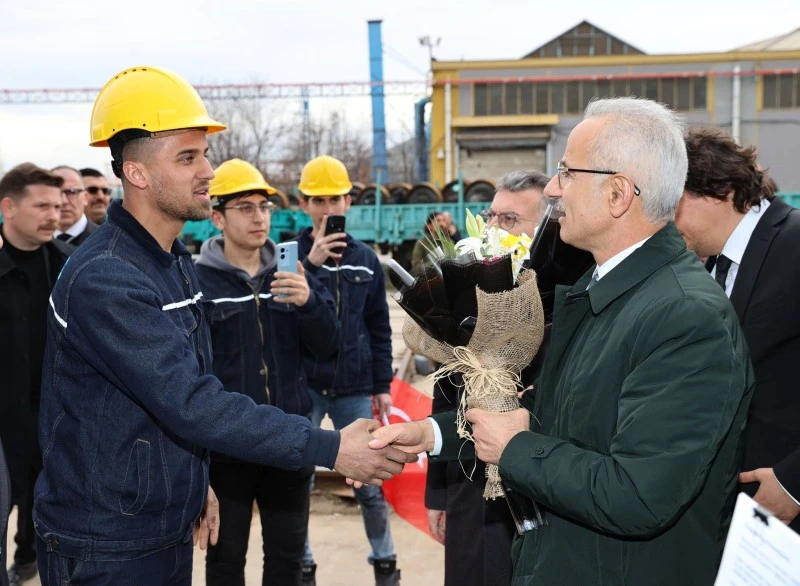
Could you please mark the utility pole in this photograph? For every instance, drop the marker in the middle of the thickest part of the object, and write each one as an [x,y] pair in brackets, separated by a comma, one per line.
[426,41]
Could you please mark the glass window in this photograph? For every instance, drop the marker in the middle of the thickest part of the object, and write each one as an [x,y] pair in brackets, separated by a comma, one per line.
[479,94]
[495,99]
[542,98]
[786,91]
[668,92]
[651,89]
[604,89]
[512,98]
[699,91]
[770,91]
[684,101]
[588,91]
[557,89]
[526,98]
[573,97]
[619,88]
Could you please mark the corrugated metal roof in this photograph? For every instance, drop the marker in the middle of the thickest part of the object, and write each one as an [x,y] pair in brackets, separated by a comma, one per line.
[788,42]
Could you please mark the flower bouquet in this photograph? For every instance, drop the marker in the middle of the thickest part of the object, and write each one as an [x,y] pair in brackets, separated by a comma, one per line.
[476,311]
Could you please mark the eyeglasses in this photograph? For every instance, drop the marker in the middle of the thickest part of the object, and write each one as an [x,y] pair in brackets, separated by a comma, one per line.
[94,190]
[248,209]
[563,174]
[72,192]
[506,220]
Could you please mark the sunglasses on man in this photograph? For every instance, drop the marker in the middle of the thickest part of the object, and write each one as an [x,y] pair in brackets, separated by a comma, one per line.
[94,190]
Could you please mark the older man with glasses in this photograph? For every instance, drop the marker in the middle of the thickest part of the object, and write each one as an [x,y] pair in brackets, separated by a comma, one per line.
[631,445]
[74,226]
[98,194]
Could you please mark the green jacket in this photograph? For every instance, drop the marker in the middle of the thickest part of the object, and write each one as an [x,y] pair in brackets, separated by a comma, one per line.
[641,403]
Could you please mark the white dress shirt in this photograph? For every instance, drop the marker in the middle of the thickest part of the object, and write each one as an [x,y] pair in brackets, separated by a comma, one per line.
[76,229]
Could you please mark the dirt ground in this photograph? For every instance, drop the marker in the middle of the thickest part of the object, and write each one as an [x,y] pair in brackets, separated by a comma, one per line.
[340,548]
[336,530]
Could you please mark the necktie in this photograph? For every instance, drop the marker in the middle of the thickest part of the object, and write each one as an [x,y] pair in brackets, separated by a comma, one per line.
[723,264]
[593,281]
[64,237]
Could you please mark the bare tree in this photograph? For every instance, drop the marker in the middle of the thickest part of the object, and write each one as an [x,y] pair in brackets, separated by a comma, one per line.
[280,141]
[257,132]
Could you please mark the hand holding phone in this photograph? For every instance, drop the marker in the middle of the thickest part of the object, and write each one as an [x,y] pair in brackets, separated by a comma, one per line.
[290,285]
[329,242]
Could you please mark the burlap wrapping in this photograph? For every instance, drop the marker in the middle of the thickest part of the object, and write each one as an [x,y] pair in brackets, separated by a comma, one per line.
[508,333]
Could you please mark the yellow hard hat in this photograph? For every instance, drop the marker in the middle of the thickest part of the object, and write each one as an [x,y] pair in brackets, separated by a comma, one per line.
[148,99]
[237,176]
[324,177]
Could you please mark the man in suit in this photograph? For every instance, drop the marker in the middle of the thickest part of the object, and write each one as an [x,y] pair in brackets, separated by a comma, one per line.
[74,227]
[730,214]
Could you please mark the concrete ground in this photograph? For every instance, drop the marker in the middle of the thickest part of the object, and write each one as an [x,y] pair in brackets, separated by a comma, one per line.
[336,530]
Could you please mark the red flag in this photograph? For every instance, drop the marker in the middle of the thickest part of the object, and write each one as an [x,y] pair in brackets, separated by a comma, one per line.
[406,491]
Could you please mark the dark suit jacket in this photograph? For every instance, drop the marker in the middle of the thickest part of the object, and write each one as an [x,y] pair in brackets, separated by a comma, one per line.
[765,298]
[88,231]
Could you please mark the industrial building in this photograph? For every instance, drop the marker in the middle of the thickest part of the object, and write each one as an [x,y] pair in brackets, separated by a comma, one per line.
[490,117]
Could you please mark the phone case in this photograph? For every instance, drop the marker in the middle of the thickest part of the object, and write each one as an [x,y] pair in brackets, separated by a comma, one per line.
[287,257]
[334,224]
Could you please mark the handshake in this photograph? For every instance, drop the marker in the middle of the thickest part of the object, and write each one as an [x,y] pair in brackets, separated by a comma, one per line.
[370,454]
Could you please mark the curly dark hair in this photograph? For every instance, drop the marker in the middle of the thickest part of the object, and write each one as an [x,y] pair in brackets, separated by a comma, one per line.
[717,166]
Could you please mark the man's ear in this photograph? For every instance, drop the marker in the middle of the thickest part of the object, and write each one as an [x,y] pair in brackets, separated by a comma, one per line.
[218,219]
[7,207]
[621,196]
[134,174]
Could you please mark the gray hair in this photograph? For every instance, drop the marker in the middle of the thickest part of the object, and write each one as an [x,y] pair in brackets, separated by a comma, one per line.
[645,140]
[517,181]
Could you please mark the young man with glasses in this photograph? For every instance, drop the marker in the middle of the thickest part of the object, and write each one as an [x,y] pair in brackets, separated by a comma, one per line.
[74,226]
[98,194]
[257,343]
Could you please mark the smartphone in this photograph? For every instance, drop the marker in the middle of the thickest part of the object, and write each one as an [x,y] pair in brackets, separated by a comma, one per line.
[334,224]
[287,257]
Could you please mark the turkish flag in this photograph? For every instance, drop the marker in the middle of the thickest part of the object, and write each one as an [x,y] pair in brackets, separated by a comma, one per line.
[406,491]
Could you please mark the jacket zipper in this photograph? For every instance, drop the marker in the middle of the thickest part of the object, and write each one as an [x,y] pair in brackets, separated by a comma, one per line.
[264,368]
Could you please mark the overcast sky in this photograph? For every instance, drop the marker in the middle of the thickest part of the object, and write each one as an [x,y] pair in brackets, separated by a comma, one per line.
[82,43]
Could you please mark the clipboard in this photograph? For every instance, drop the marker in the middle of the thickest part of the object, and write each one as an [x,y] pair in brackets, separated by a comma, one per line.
[760,549]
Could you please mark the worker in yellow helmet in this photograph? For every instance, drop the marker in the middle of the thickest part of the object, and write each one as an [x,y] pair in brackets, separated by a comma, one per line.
[357,381]
[257,346]
[130,408]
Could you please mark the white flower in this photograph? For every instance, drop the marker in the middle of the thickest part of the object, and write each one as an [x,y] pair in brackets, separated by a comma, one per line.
[470,244]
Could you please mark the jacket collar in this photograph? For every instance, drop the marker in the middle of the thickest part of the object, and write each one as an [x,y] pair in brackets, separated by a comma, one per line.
[7,265]
[664,246]
[756,250]
[122,218]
